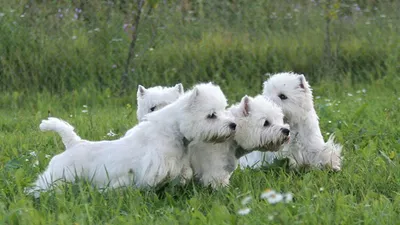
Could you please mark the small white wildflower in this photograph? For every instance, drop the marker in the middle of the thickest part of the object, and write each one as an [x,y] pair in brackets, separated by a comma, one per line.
[288,197]
[349,94]
[398,98]
[111,134]
[74,37]
[271,217]
[2,14]
[244,211]
[97,29]
[36,163]
[22,16]
[70,115]
[32,153]
[327,133]
[315,196]
[328,104]
[85,111]
[273,199]
[383,15]
[136,55]
[47,156]
[358,92]
[321,189]
[246,200]
[84,106]
[273,15]
[364,90]
[114,66]
[26,160]
[12,10]
[329,121]
[151,49]
[267,193]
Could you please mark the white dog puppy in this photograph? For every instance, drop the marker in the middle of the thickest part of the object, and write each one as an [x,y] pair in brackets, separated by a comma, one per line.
[259,127]
[153,153]
[155,98]
[307,147]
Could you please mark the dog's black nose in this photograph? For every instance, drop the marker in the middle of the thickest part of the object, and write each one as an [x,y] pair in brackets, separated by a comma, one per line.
[232,126]
[285,131]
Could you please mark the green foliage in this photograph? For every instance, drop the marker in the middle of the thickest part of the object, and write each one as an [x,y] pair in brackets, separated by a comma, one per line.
[367,191]
[56,47]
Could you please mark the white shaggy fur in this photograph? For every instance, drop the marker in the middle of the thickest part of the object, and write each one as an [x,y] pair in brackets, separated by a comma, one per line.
[153,153]
[259,126]
[155,98]
[307,147]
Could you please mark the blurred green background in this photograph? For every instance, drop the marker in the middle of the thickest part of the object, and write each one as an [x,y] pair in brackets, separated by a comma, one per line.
[64,46]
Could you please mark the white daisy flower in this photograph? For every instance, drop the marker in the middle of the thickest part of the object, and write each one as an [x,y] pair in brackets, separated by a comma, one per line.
[244,211]
[267,193]
[246,200]
[275,198]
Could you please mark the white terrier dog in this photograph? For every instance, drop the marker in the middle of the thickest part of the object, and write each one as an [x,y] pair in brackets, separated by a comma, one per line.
[307,147]
[155,98]
[153,153]
[259,127]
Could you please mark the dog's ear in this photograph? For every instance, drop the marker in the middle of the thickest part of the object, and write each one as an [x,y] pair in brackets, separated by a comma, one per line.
[245,105]
[179,88]
[303,83]
[194,94]
[141,91]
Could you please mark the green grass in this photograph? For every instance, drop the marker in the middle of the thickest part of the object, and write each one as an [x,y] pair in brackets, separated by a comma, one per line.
[58,64]
[367,191]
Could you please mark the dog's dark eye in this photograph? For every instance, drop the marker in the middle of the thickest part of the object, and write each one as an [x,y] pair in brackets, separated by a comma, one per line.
[152,109]
[266,123]
[211,116]
[282,96]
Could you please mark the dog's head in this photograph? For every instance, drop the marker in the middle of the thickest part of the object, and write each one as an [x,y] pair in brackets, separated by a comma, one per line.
[260,124]
[155,98]
[204,115]
[291,92]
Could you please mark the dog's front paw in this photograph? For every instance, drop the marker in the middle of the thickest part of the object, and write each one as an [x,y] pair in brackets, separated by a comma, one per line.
[186,174]
[220,183]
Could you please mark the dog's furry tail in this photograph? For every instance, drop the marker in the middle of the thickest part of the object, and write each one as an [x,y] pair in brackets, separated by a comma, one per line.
[64,129]
[333,153]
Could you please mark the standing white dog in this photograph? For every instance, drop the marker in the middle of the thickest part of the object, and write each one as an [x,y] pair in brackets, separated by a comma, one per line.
[153,153]
[259,127]
[307,147]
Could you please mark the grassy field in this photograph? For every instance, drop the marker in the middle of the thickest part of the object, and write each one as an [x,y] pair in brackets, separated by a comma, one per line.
[367,191]
[67,57]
